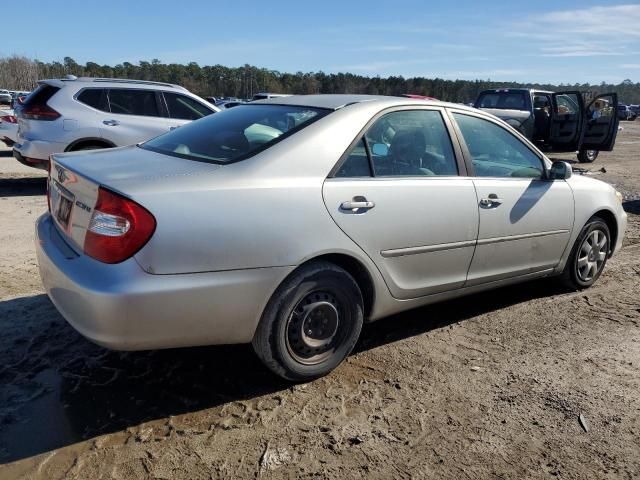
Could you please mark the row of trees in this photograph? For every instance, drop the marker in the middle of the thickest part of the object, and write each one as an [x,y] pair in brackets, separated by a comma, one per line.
[20,73]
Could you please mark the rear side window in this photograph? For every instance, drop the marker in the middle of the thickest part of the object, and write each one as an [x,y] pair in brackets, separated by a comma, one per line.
[40,96]
[235,134]
[185,108]
[134,102]
[357,163]
[404,143]
[94,97]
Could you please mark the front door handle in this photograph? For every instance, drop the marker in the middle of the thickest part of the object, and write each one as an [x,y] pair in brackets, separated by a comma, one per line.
[357,205]
[111,123]
[492,201]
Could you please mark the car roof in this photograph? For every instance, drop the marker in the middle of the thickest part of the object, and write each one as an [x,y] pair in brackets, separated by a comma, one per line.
[337,101]
[110,82]
[507,89]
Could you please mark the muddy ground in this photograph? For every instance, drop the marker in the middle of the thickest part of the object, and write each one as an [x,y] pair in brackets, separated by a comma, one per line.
[490,386]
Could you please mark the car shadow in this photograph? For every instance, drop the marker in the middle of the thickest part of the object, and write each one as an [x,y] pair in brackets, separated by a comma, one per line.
[23,186]
[58,388]
[529,198]
[632,206]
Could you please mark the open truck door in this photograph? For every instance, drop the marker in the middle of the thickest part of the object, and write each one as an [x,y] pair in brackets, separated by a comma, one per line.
[601,123]
[567,120]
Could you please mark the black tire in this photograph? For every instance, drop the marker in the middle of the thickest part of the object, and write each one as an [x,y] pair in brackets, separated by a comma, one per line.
[587,156]
[573,276]
[325,299]
[89,146]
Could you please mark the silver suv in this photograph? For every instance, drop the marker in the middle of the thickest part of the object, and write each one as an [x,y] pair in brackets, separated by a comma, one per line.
[71,114]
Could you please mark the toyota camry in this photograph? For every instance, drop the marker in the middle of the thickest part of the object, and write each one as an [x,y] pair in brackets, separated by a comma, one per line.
[290,222]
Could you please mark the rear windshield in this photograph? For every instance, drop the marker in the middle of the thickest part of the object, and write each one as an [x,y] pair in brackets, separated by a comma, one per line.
[502,100]
[40,95]
[235,134]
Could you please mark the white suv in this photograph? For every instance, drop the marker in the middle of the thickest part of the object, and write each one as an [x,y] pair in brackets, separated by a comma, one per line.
[73,114]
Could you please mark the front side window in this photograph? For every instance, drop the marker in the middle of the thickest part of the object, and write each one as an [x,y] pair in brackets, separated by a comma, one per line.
[133,102]
[567,104]
[403,143]
[185,108]
[235,134]
[495,152]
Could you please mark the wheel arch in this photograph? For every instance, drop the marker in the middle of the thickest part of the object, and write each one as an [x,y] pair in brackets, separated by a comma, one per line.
[356,269]
[610,219]
[89,141]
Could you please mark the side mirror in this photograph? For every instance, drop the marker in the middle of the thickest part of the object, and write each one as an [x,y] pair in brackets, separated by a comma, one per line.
[380,149]
[560,171]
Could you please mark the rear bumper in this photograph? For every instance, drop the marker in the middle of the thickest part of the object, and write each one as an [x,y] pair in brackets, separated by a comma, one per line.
[8,132]
[31,162]
[122,307]
[35,153]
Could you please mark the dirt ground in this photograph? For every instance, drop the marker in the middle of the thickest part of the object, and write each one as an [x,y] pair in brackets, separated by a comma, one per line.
[490,386]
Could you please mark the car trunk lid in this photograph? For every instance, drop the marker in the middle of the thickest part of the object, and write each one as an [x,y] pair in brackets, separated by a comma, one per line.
[75,179]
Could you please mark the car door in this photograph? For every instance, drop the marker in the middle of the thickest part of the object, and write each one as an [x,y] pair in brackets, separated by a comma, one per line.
[601,123]
[566,124]
[182,109]
[525,220]
[134,116]
[401,193]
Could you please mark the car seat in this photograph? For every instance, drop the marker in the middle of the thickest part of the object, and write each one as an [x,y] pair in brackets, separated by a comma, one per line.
[542,119]
[406,153]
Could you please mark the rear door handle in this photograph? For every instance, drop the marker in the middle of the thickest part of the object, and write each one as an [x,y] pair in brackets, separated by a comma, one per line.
[111,123]
[356,205]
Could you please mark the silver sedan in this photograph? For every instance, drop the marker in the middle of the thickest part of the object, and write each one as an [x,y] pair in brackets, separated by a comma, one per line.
[289,222]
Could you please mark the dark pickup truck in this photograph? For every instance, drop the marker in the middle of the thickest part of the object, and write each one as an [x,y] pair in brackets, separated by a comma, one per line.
[557,121]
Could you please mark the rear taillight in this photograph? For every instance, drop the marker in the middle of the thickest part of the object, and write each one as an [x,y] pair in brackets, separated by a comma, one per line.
[8,119]
[119,227]
[39,112]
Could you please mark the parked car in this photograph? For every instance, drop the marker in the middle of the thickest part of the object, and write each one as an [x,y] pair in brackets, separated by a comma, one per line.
[223,104]
[5,97]
[417,97]
[288,223]
[8,127]
[266,96]
[635,109]
[625,113]
[556,121]
[72,114]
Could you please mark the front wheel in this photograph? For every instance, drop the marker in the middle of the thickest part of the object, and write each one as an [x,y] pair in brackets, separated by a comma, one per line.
[311,323]
[588,255]
[587,156]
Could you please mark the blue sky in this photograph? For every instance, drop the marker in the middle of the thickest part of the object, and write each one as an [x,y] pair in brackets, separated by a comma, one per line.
[541,41]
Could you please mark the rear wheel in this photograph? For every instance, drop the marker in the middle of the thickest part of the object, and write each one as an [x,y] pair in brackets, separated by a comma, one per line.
[588,256]
[311,323]
[89,147]
[587,156]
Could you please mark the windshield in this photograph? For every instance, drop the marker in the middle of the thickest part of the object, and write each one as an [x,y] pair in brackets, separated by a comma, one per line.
[235,134]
